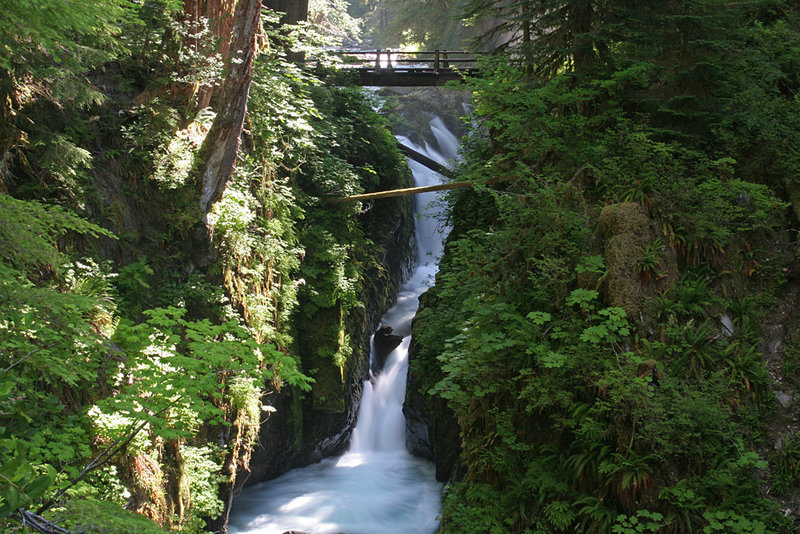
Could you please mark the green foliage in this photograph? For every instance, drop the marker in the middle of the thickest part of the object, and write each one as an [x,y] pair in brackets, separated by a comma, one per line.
[418,24]
[47,49]
[785,465]
[168,349]
[731,522]
[28,231]
[52,350]
[149,133]
[203,466]
[643,521]
[173,160]
[791,362]
[64,34]
[181,368]
[101,517]
[332,18]
[20,485]
[574,416]
[133,284]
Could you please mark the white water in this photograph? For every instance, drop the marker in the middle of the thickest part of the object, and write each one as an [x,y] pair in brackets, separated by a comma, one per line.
[377,487]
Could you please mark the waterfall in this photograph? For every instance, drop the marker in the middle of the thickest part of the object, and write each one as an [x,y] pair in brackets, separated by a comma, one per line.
[377,486]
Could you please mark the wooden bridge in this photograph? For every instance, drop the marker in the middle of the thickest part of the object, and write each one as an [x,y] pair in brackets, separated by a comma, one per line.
[385,67]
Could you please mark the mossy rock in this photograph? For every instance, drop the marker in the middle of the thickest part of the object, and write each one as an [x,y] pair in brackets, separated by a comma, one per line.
[624,218]
[622,285]
[589,280]
[328,393]
[628,231]
[318,344]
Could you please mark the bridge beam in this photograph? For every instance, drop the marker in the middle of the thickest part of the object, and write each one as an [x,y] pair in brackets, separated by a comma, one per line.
[409,78]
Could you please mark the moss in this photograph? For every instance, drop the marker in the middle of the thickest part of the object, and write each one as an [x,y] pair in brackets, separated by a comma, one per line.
[628,232]
[143,476]
[589,280]
[319,344]
[328,393]
[791,363]
[100,517]
[624,218]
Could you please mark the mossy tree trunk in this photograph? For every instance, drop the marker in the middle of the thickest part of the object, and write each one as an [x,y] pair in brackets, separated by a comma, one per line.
[220,14]
[218,153]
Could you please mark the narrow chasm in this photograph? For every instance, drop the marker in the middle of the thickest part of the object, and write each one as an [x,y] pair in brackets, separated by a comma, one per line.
[377,485]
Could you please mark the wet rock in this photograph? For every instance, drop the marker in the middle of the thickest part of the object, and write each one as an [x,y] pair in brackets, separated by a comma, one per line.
[432,430]
[410,112]
[385,342]
[419,441]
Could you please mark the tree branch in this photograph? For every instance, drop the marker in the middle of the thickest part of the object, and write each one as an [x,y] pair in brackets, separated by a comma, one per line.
[7,369]
[111,451]
[39,523]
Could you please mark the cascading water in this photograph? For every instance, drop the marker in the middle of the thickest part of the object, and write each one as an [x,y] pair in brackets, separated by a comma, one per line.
[377,486]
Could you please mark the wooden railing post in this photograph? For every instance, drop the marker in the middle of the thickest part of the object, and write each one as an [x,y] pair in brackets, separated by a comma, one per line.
[446,63]
[389,58]
[436,62]
[378,60]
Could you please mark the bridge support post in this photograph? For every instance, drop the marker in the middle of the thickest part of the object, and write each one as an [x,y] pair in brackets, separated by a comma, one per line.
[436,62]
[378,60]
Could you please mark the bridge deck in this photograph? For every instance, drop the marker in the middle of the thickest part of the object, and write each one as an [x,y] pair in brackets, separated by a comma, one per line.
[409,77]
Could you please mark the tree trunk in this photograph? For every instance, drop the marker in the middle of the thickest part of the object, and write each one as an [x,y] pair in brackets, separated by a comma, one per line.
[218,153]
[583,45]
[220,14]
[417,190]
[526,38]
[295,10]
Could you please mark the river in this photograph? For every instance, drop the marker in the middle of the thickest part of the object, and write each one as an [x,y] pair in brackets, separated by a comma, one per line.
[376,486]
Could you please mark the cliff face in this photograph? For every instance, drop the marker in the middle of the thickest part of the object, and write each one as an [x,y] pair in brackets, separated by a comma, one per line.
[352,263]
[432,431]
[308,427]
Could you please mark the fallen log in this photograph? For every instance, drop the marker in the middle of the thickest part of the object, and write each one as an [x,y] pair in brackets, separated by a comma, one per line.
[425,160]
[417,190]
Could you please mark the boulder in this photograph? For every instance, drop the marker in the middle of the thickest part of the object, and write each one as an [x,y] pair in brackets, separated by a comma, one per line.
[385,342]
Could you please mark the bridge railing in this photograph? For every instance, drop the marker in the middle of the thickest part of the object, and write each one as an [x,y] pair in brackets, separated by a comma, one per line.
[388,59]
